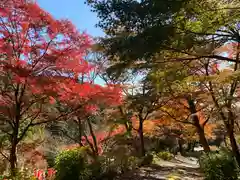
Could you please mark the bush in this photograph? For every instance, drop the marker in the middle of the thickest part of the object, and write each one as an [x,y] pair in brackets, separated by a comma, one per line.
[219,166]
[72,164]
[23,174]
[133,162]
[165,155]
[147,159]
[75,165]
[50,158]
[119,165]
[107,168]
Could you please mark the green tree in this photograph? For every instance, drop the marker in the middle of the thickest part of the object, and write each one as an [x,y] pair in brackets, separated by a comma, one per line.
[148,33]
[140,29]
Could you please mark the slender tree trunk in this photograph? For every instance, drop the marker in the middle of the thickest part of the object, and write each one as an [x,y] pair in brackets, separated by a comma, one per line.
[141,136]
[16,127]
[231,116]
[13,157]
[93,137]
[193,146]
[13,150]
[199,128]
[80,132]
[202,138]
[225,141]
[127,121]
[180,145]
[189,146]
[230,131]
[128,127]
[233,142]
[234,146]
[92,153]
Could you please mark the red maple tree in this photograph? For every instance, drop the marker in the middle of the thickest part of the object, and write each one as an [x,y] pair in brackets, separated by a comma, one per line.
[41,60]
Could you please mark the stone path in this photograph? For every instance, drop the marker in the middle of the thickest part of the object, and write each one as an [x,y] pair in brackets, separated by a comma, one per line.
[180,168]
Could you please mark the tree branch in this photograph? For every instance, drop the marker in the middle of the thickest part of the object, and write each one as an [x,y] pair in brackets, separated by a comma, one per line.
[175,119]
[5,156]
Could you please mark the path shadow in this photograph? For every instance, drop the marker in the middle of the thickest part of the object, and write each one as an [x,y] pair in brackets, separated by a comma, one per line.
[155,172]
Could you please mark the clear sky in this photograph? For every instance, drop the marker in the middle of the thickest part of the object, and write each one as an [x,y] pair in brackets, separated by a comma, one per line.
[74,10]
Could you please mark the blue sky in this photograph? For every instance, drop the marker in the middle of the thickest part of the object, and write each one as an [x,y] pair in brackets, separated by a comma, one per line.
[74,10]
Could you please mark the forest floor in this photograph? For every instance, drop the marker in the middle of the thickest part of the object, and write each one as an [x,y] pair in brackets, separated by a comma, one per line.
[179,168]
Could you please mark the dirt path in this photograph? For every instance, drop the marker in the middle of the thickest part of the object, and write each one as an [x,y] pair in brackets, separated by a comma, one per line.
[178,169]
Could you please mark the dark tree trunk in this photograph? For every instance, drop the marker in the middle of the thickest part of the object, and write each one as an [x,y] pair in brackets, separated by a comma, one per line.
[202,139]
[199,128]
[193,146]
[80,132]
[13,157]
[13,150]
[93,137]
[16,126]
[234,147]
[180,145]
[225,141]
[140,132]
[128,127]
[127,121]
[189,146]
[233,142]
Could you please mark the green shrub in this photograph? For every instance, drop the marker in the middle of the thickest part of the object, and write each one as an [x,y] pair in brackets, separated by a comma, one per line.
[147,159]
[109,168]
[165,155]
[116,165]
[72,164]
[50,158]
[21,174]
[132,162]
[219,166]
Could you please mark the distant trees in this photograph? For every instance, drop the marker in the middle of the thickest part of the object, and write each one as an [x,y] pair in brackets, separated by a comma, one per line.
[193,39]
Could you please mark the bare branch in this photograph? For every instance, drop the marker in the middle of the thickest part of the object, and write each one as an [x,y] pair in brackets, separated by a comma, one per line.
[175,119]
[5,156]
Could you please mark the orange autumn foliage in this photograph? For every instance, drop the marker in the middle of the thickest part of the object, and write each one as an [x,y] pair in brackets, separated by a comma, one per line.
[177,117]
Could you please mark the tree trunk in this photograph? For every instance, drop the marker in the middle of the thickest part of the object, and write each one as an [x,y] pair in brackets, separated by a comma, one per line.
[140,132]
[92,152]
[230,130]
[127,121]
[80,132]
[193,146]
[13,157]
[233,143]
[13,150]
[128,127]
[225,141]
[180,145]
[234,146]
[189,146]
[199,128]
[93,137]
[15,139]
[203,139]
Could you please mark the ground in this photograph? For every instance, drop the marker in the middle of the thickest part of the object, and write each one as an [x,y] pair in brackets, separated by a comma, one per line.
[180,168]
